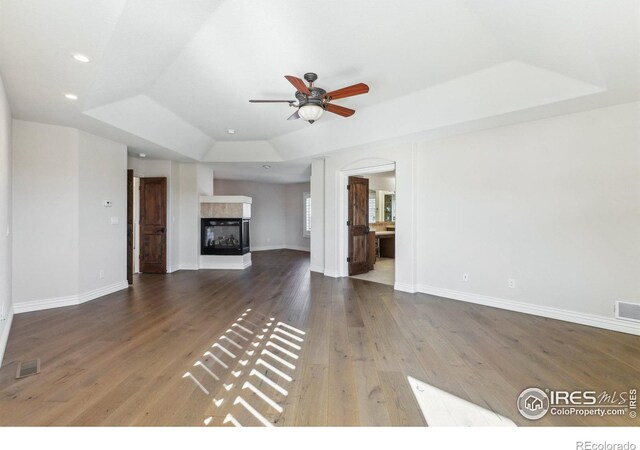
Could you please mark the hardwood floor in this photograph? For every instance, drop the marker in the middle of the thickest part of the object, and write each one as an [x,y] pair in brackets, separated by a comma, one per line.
[122,359]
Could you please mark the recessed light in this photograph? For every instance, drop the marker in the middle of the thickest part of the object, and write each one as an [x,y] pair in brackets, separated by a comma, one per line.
[266,166]
[231,131]
[71,96]
[143,155]
[81,58]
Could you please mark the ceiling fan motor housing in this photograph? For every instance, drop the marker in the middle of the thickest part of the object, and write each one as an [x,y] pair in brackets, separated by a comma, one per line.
[316,97]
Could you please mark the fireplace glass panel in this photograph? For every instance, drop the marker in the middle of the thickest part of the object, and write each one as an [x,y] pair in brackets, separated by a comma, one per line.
[245,236]
[224,237]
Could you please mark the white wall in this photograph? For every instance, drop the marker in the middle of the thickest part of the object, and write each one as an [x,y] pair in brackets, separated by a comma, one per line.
[173,221]
[294,216]
[149,167]
[553,204]
[316,244]
[385,181]
[205,179]
[189,217]
[267,210]
[45,212]
[276,216]
[102,245]
[63,236]
[6,304]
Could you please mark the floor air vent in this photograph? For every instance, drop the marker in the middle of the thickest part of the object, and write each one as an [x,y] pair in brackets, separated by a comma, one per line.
[26,368]
[628,311]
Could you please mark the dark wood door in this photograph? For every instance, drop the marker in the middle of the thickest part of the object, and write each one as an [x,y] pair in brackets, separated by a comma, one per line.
[130,226]
[153,225]
[358,193]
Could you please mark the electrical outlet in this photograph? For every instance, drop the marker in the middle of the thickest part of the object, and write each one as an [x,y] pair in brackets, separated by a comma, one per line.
[511,283]
[465,277]
[101,274]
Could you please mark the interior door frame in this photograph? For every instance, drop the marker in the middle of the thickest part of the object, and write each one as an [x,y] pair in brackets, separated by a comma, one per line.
[130,227]
[356,227]
[165,231]
[343,210]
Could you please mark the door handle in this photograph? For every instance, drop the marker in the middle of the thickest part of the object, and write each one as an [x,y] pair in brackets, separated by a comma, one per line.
[161,230]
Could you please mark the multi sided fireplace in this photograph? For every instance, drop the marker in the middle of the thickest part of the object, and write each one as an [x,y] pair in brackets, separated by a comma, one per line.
[224,237]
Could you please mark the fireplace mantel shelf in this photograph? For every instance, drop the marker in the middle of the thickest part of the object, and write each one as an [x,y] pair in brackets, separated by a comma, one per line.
[226,199]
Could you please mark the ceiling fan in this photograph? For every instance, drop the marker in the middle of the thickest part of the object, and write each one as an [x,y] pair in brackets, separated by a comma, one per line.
[313,101]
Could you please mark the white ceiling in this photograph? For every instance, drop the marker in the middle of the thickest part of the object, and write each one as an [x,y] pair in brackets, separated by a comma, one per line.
[297,171]
[169,77]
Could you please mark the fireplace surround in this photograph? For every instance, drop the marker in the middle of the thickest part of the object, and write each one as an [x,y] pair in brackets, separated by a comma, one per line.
[224,232]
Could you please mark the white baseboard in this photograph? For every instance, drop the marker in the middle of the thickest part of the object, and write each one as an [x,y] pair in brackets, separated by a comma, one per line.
[332,273]
[5,327]
[593,320]
[46,303]
[319,269]
[404,287]
[182,267]
[297,248]
[71,300]
[101,292]
[188,267]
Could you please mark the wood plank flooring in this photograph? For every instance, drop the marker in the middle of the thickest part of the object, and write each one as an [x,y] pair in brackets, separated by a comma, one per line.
[122,359]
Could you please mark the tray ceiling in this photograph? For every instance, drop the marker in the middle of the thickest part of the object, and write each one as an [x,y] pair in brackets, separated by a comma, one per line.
[170,78]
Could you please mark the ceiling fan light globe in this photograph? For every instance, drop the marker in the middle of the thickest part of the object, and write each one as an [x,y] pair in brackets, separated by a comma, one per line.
[310,112]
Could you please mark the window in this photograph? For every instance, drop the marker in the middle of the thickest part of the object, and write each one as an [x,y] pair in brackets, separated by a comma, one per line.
[372,206]
[306,232]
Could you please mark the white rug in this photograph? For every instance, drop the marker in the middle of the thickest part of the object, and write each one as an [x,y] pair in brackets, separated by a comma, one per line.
[441,409]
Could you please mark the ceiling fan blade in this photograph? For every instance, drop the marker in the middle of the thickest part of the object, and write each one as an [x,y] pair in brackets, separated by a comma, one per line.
[339,110]
[298,84]
[294,116]
[349,91]
[272,101]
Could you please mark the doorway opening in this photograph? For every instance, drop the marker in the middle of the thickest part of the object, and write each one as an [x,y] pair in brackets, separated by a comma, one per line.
[146,225]
[133,225]
[372,200]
